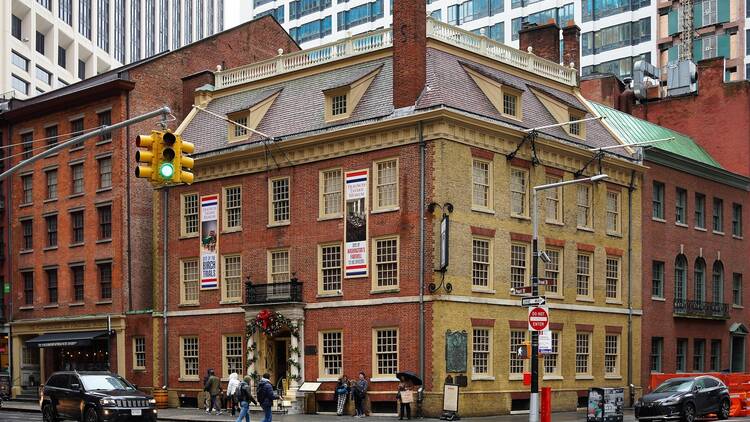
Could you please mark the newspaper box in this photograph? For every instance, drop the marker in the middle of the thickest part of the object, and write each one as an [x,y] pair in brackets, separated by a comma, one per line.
[605,405]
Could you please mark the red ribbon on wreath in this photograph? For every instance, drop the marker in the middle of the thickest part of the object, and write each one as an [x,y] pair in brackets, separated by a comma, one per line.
[265,318]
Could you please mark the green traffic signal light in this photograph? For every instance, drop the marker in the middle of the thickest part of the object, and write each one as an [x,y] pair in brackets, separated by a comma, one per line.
[166,171]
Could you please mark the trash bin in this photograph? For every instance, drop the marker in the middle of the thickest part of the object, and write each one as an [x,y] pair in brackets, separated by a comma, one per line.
[605,405]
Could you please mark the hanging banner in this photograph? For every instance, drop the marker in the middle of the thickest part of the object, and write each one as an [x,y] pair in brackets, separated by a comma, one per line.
[355,229]
[209,236]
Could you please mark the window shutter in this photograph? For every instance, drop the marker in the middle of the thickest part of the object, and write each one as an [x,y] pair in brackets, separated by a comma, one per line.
[722,45]
[723,13]
[672,54]
[697,50]
[672,25]
[698,14]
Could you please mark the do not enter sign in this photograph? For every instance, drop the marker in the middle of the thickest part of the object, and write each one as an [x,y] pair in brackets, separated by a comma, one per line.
[538,318]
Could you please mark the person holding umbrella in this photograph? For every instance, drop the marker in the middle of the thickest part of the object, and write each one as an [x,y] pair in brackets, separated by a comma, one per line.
[405,394]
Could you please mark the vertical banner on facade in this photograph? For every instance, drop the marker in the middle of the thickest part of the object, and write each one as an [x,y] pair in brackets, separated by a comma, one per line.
[355,229]
[209,236]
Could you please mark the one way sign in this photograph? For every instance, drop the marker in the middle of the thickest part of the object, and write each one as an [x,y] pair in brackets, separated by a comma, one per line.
[533,301]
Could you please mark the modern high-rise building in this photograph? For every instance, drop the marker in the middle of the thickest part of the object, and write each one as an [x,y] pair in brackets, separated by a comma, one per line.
[614,33]
[47,44]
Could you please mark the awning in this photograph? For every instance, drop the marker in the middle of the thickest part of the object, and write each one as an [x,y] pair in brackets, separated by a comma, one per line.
[69,339]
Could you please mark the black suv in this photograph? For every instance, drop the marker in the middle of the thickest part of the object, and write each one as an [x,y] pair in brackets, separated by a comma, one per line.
[94,397]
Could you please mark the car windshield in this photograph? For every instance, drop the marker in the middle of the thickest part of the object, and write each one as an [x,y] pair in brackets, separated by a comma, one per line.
[675,386]
[105,382]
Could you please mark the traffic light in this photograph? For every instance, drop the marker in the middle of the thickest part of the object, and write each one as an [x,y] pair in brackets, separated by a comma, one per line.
[148,156]
[185,164]
[523,351]
[166,158]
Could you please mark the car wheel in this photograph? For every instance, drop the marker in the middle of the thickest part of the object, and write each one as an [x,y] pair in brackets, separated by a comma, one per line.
[48,413]
[91,415]
[688,413]
[724,410]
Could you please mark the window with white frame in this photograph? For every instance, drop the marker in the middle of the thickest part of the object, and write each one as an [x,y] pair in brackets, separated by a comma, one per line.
[232,354]
[331,195]
[553,271]
[517,338]
[583,206]
[480,258]
[239,127]
[583,353]
[386,262]
[552,359]
[105,172]
[189,218]
[189,357]
[330,268]
[139,353]
[612,278]
[279,266]
[233,208]
[583,275]
[613,212]
[554,201]
[518,261]
[386,352]
[612,355]
[481,344]
[190,283]
[232,277]
[519,186]
[386,184]
[481,181]
[338,105]
[279,201]
[332,347]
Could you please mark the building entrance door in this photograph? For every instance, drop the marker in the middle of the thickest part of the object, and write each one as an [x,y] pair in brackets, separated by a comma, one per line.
[281,364]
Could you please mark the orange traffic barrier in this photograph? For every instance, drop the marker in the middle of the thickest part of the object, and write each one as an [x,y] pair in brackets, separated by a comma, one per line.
[737,407]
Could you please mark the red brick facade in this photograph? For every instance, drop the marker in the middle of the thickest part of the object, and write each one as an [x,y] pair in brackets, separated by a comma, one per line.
[410,51]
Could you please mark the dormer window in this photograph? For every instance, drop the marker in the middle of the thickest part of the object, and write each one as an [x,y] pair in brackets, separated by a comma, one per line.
[338,105]
[575,129]
[240,122]
[505,98]
[510,104]
[342,100]
[564,112]
[239,130]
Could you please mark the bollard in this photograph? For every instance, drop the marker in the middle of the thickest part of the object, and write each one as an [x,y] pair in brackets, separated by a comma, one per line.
[546,411]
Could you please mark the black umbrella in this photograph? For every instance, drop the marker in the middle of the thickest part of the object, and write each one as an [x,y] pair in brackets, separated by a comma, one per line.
[411,376]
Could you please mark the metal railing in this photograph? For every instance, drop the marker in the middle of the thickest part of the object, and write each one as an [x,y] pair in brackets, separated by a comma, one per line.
[700,309]
[273,292]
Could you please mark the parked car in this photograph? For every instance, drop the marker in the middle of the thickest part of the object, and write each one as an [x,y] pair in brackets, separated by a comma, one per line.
[685,398]
[94,397]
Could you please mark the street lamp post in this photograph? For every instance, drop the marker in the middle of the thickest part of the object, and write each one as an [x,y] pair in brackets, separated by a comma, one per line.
[534,399]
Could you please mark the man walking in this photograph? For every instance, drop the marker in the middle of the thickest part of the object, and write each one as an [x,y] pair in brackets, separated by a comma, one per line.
[244,398]
[213,386]
[266,396]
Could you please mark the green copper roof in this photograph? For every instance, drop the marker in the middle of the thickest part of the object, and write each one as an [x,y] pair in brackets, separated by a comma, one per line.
[632,130]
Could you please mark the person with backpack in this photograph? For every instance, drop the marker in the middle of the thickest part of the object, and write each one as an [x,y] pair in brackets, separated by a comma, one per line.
[213,386]
[234,382]
[341,393]
[243,396]
[266,396]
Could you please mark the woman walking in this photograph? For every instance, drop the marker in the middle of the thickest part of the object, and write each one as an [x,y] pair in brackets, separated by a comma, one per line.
[342,392]
[234,382]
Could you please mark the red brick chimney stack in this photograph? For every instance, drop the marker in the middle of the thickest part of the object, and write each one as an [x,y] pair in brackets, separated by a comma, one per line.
[572,45]
[543,39]
[409,51]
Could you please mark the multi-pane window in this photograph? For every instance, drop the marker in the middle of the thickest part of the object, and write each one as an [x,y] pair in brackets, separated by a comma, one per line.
[737,220]
[105,119]
[583,353]
[27,142]
[189,367]
[77,125]
[105,221]
[680,206]
[657,279]
[84,18]
[105,172]
[190,214]
[330,267]
[28,189]
[583,275]
[518,260]
[150,18]
[717,283]
[50,134]
[715,356]
[76,223]
[240,126]
[575,127]
[139,352]
[51,285]
[279,266]
[332,346]
[19,61]
[517,338]
[119,25]
[386,184]
[480,353]
[480,259]
[164,24]
[611,354]
[552,358]
[612,278]
[77,178]
[232,274]
[657,353]
[680,278]
[481,184]
[16,25]
[102,29]
[700,210]
[718,215]
[51,221]
[681,355]
[699,280]
[510,104]
[554,201]
[699,354]
[338,105]
[51,184]
[176,23]
[386,351]
[28,287]
[232,207]
[613,212]
[386,262]
[19,84]
[135,29]
[583,206]
[105,280]
[27,227]
[331,187]
[77,275]
[658,201]
[232,355]
[190,284]
[188,33]
[553,270]
[280,200]
[737,289]
[518,191]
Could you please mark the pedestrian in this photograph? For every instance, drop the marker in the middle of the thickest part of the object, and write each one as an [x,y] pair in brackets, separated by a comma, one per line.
[341,393]
[405,396]
[234,382]
[266,396]
[244,397]
[213,386]
[360,394]
[207,401]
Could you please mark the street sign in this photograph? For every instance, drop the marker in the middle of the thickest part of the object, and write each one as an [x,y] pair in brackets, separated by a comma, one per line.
[545,342]
[546,282]
[533,301]
[520,290]
[538,318]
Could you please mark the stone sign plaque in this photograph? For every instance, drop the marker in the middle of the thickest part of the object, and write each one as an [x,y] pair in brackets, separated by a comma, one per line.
[455,351]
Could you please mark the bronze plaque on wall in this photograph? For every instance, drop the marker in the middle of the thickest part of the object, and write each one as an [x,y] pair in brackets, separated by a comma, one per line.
[455,351]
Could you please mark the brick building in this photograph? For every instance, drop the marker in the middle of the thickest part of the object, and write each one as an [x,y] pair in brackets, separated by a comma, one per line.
[346,141]
[81,223]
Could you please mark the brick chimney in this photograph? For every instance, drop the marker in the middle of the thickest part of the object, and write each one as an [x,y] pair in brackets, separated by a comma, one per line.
[189,84]
[572,45]
[543,39]
[409,51]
